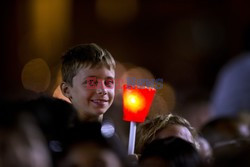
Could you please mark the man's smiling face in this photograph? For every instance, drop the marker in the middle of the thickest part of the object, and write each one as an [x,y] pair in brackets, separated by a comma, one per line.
[92,91]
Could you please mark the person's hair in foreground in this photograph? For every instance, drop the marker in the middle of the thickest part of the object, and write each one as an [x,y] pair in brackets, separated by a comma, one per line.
[170,152]
[150,129]
[88,73]
[54,117]
[86,145]
[21,143]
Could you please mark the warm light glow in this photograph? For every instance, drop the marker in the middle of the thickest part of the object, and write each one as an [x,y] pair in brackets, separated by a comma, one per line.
[48,25]
[58,94]
[138,73]
[36,75]
[116,11]
[134,101]
[164,101]
[137,102]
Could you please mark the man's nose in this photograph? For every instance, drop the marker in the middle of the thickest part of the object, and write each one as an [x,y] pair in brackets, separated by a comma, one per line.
[101,88]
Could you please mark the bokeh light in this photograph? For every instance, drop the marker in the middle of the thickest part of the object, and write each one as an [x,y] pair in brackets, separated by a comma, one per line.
[164,101]
[138,73]
[134,101]
[36,75]
[107,129]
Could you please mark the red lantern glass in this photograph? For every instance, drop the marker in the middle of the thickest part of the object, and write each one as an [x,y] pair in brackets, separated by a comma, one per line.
[137,102]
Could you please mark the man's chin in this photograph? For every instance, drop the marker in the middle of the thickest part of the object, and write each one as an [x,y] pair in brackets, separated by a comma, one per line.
[91,115]
[100,112]
[98,115]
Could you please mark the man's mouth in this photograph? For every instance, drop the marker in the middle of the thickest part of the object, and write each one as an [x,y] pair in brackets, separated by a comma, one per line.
[99,101]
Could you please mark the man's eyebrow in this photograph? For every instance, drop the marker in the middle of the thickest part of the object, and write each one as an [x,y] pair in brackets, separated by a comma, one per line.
[89,77]
[92,76]
[109,77]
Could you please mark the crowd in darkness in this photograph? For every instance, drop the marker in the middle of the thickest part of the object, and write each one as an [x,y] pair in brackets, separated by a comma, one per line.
[47,132]
[50,132]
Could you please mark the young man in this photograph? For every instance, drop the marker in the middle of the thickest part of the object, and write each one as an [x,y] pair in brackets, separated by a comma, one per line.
[88,73]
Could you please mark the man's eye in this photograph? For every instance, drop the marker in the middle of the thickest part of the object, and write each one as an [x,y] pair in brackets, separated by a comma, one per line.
[92,82]
[109,82]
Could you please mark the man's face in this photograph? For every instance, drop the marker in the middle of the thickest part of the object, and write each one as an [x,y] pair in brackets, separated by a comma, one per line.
[92,91]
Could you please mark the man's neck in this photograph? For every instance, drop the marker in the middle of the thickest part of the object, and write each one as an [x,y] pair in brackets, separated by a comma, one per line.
[91,118]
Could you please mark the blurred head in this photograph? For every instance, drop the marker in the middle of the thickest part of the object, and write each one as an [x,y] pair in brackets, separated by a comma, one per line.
[170,152]
[54,116]
[163,126]
[205,150]
[84,145]
[231,154]
[88,73]
[21,142]
[224,129]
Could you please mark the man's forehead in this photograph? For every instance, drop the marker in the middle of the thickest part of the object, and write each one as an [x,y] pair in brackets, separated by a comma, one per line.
[101,72]
[96,66]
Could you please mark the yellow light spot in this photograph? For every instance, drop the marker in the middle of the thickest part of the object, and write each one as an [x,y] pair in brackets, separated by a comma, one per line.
[134,101]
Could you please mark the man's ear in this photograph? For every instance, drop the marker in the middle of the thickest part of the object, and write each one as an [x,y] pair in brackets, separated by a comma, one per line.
[65,88]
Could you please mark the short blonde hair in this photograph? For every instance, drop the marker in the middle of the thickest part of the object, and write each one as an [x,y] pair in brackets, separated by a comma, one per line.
[84,55]
[147,131]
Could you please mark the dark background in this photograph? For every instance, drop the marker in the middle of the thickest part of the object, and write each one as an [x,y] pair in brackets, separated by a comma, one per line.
[185,42]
